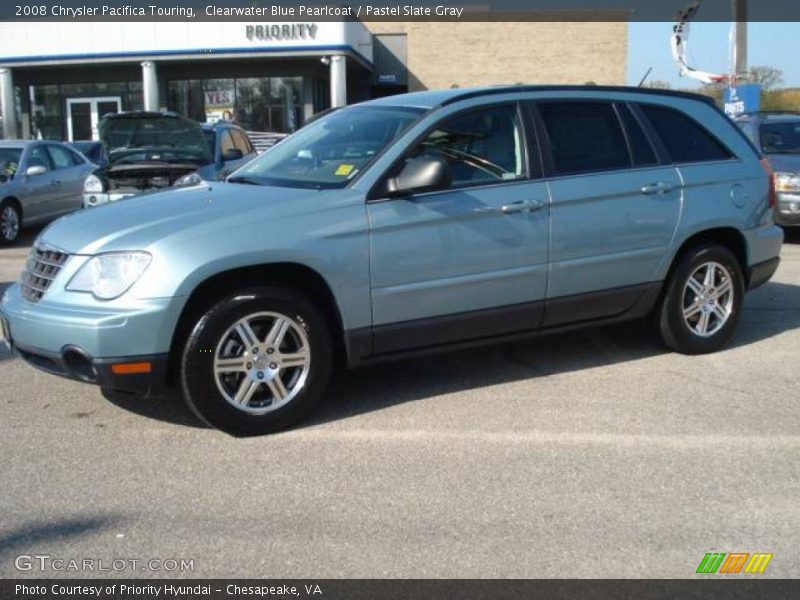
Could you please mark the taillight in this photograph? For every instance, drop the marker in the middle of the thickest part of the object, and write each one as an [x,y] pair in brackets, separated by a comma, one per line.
[773,197]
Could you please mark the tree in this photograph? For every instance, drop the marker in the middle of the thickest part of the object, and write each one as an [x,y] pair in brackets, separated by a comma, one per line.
[768,77]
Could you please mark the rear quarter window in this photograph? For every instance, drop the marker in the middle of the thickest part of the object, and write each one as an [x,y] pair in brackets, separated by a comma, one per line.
[684,139]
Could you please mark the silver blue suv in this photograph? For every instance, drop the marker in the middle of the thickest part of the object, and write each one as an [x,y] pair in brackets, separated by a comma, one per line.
[406,225]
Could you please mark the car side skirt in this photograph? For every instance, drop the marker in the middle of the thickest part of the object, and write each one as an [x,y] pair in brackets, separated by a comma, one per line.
[503,324]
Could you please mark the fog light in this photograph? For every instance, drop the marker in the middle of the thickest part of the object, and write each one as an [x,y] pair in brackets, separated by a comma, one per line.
[92,199]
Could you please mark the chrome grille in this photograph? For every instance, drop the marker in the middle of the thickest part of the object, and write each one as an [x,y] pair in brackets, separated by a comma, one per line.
[42,267]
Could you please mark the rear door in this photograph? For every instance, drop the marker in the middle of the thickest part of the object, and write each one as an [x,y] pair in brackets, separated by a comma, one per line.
[469,261]
[615,205]
[40,195]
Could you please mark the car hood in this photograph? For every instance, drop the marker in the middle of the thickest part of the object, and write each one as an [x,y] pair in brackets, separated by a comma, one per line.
[784,162]
[214,210]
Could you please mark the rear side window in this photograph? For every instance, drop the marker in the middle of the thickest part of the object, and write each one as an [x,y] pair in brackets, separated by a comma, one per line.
[240,141]
[641,150]
[685,140]
[584,136]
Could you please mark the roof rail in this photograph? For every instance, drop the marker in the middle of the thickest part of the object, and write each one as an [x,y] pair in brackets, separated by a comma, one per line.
[510,89]
[755,113]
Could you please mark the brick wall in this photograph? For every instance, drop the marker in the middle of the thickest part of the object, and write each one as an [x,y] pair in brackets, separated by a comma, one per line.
[441,55]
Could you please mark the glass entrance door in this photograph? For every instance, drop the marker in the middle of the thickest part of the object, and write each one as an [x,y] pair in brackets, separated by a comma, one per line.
[83,114]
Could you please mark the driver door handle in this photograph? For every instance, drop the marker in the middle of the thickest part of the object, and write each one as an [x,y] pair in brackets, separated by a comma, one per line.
[660,187]
[521,206]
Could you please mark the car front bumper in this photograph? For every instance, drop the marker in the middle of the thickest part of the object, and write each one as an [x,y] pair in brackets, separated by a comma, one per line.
[124,350]
[787,211]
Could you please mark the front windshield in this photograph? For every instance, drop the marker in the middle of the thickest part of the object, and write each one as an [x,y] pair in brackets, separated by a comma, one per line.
[331,151]
[781,137]
[153,139]
[9,161]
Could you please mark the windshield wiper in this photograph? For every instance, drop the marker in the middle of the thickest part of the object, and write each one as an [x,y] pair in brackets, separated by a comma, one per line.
[243,179]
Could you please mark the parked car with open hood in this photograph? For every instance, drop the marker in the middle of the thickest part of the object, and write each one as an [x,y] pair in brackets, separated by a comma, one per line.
[147,151]
[39,181]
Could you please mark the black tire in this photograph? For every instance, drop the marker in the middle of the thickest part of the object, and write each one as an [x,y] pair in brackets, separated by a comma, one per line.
[8,233]
[200,386]
[676,332]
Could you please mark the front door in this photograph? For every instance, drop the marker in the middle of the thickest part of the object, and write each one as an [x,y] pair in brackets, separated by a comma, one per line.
[83,115]
[469,261]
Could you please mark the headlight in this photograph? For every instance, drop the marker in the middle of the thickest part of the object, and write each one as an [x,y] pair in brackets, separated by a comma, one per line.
[188,179]
[93,185]
[787,182]
[108,276]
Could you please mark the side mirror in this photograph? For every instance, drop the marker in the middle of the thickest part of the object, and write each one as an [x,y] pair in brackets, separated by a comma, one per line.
[421,174]
[36,170]
[232,154]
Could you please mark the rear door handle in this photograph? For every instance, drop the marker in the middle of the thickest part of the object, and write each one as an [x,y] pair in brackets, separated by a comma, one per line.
[521,206]
[660,187]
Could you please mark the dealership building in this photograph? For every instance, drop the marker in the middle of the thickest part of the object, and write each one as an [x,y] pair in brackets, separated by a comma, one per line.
[58,78]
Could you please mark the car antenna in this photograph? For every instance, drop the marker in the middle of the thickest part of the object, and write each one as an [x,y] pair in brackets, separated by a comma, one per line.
[646,75]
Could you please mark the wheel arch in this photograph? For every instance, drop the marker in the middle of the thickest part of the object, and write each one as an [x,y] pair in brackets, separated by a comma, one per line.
[295,275]
[729,237]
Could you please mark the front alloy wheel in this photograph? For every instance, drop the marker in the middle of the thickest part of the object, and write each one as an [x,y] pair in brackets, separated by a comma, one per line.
[262,362]
[257,361]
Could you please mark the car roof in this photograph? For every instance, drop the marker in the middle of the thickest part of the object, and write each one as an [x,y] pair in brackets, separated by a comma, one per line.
[434,98]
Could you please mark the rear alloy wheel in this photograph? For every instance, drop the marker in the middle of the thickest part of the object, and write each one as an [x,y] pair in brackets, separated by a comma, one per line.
[10,222]
[703,300]
[257,361]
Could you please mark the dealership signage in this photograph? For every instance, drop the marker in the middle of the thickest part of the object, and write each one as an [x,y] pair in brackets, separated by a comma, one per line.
[740,99]
[282,31]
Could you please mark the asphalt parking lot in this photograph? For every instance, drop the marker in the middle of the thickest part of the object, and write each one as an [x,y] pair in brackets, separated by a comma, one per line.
[592,454]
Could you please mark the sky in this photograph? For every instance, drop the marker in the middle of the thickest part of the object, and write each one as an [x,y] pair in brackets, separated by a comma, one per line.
[772,44]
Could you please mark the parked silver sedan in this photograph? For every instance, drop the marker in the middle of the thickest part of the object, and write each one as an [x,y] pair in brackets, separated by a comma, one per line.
[39,181]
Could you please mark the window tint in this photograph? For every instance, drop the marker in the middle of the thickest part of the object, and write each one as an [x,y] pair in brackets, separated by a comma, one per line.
[38,157]
[61,158]
[685,139]
[642,151]
[484,146]
[584,136]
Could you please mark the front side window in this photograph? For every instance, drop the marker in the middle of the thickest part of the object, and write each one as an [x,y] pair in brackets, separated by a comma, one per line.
[685,140]
[584,137]
[780,137]
[38,157]
[484,146]
[330,151]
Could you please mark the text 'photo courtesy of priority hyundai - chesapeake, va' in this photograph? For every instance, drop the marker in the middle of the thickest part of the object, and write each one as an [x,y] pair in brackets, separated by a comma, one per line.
[487,300]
